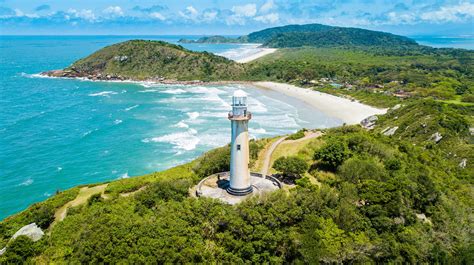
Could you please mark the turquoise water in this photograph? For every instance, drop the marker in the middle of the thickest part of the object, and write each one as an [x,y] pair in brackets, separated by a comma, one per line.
[59,133]
[463,42]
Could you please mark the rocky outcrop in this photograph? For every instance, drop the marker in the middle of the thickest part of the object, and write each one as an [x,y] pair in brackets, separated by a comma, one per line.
[369,122]
[436,137]
[463,163]
[32,231]
[389,131]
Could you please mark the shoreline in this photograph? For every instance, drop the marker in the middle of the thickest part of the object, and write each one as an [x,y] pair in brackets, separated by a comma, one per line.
[261,53]
[350,112]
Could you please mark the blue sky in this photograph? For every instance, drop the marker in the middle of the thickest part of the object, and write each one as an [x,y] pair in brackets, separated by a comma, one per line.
[205,17]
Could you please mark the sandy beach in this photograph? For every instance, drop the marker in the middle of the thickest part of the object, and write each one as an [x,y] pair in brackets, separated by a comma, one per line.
[262,52]
[350,112]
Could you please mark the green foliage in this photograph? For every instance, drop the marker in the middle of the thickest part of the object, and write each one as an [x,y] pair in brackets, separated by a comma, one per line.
[214,161]
[355,170]
[152,59]
[332,154]
[298,135]
[291,165]
[20,250]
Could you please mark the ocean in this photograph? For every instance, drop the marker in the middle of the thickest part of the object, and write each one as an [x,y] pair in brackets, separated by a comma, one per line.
[59,133]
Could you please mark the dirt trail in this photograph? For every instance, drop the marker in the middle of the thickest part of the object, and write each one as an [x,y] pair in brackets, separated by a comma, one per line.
[84,194]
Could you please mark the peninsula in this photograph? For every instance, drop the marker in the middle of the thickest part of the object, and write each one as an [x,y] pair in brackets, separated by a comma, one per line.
[396,187]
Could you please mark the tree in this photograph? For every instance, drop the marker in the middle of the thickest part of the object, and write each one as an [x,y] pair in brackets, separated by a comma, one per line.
[332,154]
[291,165]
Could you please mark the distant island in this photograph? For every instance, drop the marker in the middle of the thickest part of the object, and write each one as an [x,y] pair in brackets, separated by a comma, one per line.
[393,187]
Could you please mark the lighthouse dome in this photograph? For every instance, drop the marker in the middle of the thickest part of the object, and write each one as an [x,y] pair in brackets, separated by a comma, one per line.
[240,94]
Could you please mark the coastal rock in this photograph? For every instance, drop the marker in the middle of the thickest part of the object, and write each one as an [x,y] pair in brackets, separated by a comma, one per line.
[471,131]
[32,231]
[436,137]
[369,122]
[396,107]
[463,163]
[390,131]
[121,59]
[2,251]
[422,217]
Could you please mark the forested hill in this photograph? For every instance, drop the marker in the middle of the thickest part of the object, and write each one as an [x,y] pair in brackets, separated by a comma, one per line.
[316,35]
[142,59]
[337,36]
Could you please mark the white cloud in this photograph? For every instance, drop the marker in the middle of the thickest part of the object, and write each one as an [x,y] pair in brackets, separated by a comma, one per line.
[85,14]
[248,10]
[269,5]
[456,13]
[269,18]
[209,15]
[189,13]
[157,15]
[114,11]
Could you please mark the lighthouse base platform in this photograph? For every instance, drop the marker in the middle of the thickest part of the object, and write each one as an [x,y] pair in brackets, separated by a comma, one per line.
[216,186]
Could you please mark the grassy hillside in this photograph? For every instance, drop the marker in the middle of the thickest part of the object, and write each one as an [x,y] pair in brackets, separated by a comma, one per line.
[380,199]
[140,59]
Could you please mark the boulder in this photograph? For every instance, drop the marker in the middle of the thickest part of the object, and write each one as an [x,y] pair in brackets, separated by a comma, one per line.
[436,137]
[390,131]
[369,122]
[2,251]
[396,107]
[463,163]
[32,231]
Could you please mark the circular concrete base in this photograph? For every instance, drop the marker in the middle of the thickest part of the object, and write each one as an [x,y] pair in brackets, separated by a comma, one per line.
[216,186]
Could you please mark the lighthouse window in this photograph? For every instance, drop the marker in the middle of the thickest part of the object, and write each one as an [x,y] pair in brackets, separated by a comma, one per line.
[238,147]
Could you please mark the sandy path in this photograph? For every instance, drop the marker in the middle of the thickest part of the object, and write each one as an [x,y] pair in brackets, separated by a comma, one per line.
[84,194]
[350,112]
[268,155]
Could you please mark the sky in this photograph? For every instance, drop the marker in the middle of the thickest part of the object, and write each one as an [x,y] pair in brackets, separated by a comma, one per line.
[209,17]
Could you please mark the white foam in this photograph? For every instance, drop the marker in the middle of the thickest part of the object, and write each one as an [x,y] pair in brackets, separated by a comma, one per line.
[117,121]
[149,91]
[174,91]
[59,169]
[258,131]
[124,176]
[103,94]
[181,124]
[132,107]
[186,141]
[27,182]
[193,115]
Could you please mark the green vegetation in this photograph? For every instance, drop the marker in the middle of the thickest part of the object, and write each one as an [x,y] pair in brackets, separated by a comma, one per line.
[375,76]
[365,197]
[298,135]
[291,165]
[388,201]
[139,59]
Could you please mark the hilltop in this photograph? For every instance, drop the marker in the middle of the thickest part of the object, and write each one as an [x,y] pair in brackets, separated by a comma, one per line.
[145,60]
[316,35]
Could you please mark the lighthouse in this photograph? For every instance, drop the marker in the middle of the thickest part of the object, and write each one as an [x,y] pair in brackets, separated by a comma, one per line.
[239,183]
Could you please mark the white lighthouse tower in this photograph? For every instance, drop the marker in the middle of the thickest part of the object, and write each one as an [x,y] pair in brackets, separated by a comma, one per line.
[239,183]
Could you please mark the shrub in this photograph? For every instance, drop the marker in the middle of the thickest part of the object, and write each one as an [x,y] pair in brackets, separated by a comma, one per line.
[298,135]
[291,165]
[19,250]
[355,170]
[332,154]
[164,190]
[468,98]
